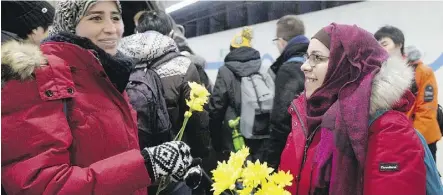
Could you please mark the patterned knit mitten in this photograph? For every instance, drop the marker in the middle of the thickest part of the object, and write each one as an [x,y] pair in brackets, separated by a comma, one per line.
[168,159]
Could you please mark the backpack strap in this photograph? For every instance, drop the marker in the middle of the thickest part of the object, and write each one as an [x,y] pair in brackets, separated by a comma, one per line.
[255,90]
[433,183]
[296,59]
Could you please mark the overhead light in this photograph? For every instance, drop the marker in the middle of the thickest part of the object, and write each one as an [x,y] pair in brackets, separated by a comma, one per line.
[180,5]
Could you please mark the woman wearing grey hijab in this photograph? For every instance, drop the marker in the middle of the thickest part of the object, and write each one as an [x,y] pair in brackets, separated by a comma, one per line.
[67,126]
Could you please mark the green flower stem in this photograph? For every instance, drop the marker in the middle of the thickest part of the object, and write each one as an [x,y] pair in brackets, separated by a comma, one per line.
[179,136]
[165,181]
[162,185]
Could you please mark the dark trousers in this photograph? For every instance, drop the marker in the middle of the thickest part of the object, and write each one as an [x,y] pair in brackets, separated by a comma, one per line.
[256,148]
[433,148]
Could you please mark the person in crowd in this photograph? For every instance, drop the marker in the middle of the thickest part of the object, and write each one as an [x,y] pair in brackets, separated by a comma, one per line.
[163,23]
[67,125]
[157,20]
[289,81]
[26,21]
[137,17]
[424,87]
[225,103]
[348,123]
[161,55]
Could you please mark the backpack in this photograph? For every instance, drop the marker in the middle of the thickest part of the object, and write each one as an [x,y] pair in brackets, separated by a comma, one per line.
[440,118]
[145,92]
[257,96]
[433,183]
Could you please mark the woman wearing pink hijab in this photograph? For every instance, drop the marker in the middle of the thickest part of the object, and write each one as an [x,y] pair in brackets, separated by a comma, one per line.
[350,135]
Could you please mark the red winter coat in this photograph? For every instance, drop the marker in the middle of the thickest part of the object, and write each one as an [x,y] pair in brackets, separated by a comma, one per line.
[392,139]
[96,152]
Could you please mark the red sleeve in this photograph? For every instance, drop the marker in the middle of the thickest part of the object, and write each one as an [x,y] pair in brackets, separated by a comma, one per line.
[36,159]
[395,158]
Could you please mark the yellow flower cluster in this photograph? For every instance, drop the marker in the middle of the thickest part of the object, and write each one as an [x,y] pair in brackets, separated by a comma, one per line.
[199,96]
[255,177]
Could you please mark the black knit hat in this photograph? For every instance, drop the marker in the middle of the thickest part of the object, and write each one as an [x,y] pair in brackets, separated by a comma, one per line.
[21,17]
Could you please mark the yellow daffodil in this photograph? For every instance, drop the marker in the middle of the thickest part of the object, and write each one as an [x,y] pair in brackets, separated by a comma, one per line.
[255,173]
[268,188]
[198,96]
[224,177]
[237,159]
[281,179]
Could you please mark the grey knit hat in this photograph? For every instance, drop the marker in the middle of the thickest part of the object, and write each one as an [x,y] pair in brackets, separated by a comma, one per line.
[68,14]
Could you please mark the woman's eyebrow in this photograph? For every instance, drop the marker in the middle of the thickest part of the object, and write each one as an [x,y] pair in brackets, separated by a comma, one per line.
[316,52]
[101,12]
[94,12]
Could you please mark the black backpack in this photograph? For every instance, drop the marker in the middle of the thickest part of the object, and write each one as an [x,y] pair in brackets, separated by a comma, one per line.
[440,117]
[145,92]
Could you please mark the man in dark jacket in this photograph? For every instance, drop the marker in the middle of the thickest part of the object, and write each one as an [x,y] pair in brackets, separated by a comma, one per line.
[159,21]
[175,71]
[289,82]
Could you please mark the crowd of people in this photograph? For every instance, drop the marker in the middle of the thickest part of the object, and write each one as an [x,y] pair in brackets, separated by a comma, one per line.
[88,111]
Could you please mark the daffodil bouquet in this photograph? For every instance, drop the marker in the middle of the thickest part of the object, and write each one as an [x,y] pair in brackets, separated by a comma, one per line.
[198,97]
[253,178]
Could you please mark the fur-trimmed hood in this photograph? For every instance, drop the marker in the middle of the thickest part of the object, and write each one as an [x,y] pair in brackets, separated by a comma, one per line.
[390,84]
[19,59]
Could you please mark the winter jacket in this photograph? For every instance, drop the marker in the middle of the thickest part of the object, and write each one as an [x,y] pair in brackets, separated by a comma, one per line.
[395,156]
[200,64]
[65,128]
[289,82]
[175,71]
[225,101]
[424,110]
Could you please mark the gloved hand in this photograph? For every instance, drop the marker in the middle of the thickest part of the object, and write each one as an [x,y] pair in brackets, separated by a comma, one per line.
[168,159]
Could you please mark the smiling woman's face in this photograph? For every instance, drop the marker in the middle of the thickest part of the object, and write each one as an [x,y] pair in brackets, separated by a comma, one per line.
[315,67]
[102,24]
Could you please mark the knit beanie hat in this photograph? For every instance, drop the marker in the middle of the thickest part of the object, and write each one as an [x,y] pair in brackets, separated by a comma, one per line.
[242,39]
[68,14]
[21,17]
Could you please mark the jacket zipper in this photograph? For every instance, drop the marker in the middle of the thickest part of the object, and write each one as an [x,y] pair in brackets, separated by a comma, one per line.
[307,144]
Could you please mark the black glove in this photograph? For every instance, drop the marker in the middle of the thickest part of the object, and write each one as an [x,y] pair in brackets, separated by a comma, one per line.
[168,159]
